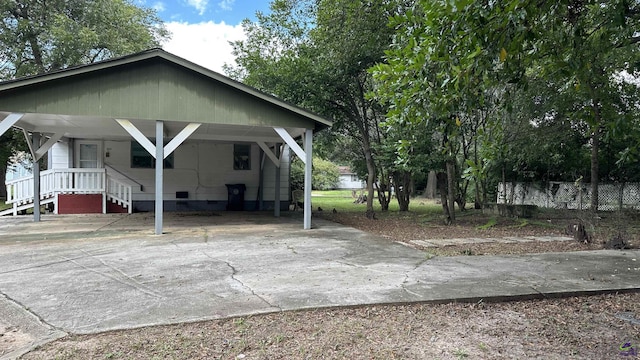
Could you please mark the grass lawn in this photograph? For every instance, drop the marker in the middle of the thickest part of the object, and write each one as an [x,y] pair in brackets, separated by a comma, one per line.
[3,204]
[343,201]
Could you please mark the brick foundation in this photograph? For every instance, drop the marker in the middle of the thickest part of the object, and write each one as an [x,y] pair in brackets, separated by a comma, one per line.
[79,204]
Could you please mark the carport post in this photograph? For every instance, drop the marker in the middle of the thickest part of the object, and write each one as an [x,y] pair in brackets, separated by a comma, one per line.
[35,140]
[276,195]
[159,173]
[308,145]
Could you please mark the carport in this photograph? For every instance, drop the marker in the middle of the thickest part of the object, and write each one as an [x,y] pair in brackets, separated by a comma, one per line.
[152,96]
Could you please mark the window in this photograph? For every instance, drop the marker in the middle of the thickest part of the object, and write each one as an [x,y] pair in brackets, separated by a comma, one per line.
[88,156]
[241,157]
[141,159]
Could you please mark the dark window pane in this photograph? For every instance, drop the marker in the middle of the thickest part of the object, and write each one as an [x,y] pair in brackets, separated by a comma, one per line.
[241,157]
[140,158]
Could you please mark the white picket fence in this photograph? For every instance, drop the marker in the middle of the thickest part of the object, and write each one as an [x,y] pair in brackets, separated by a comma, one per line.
[68,181]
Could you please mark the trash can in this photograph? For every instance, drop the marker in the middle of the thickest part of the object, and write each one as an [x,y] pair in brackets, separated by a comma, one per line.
[235,200]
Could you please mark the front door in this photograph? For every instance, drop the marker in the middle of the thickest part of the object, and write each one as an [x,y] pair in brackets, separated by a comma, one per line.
[88,154]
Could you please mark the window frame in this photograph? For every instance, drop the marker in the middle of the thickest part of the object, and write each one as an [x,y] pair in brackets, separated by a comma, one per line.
[240,150]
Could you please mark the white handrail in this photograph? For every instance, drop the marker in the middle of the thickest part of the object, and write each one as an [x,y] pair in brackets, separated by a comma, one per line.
[119,193]
[69,181]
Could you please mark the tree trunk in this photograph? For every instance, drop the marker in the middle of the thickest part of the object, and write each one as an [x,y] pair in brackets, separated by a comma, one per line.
[451,190]
[442,188]
[595,147]
[3,188]
[371,177]
[432,186]
[595,165]
[384,195]
[402,182]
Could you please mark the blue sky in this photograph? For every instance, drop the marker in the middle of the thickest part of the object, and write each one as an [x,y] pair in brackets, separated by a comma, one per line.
[201,29]
[232,12]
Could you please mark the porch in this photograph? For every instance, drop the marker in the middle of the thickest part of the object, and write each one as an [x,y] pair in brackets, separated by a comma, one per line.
[57,185]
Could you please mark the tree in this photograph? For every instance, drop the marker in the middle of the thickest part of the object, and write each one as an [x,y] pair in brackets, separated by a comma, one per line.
[436,75]
[316,54]
[41,36]
[450,58]
[10,143]
[600,41]
[326,174]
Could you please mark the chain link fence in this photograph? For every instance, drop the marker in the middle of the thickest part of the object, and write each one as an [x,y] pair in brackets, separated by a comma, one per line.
[570,196]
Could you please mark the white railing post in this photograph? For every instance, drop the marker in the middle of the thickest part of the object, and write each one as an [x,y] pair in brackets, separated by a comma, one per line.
[104,191]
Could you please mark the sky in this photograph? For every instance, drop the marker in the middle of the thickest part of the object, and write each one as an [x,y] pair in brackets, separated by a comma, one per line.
[201,29]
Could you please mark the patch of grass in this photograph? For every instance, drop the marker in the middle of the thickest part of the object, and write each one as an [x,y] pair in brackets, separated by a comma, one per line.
[461,354]
[3,204]
[544,224]
[468,252]
[343,201]
[491,223]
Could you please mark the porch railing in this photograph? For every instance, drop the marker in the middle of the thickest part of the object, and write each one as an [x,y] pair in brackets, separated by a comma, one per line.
[69,181]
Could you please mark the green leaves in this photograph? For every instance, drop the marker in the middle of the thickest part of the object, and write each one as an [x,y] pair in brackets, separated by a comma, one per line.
[39,36]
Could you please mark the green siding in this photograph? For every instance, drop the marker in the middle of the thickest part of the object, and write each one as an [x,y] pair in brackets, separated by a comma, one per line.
[154,90]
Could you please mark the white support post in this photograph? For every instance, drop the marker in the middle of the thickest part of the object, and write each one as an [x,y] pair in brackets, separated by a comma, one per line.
[308,146]
[276,197]
[35,139]
[159,173]
[8,122]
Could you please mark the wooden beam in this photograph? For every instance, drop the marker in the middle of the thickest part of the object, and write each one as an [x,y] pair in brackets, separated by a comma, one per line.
[30,144]
[180,138]
[47,145]
[273,157]
[292,143]
[9,121]
[139,136]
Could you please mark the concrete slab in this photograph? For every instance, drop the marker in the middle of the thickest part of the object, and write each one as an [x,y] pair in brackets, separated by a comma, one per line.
[21,330]
[503,240]
[111,273]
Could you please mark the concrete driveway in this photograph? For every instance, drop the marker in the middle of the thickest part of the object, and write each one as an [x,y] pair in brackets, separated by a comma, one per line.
[86,274]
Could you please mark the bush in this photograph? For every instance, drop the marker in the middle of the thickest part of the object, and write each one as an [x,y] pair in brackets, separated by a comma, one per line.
[326,175]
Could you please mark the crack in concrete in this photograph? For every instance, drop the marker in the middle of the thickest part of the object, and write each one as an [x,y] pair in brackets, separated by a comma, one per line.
[234,272]
[407,273]
[109,224]
[40,320]
[134,283]
[40,265]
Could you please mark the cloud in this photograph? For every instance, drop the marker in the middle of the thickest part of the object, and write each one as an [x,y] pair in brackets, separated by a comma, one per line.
[159,6]
[226,4]
[205,43]
[200,5]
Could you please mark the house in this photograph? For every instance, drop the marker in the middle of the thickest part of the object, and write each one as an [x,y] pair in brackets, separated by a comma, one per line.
[349,179]
[222,144]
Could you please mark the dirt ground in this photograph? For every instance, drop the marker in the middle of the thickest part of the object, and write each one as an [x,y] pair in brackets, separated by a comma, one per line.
[589,327]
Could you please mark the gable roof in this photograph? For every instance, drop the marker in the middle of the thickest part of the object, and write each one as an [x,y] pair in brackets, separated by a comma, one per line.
[150,85]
